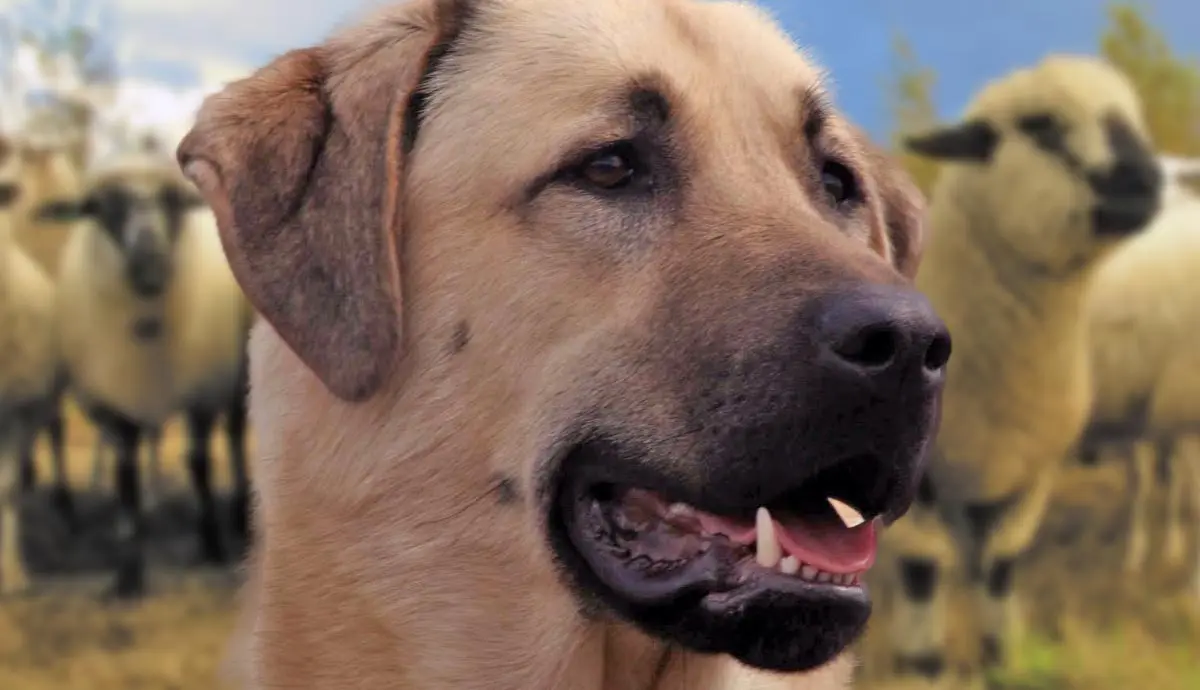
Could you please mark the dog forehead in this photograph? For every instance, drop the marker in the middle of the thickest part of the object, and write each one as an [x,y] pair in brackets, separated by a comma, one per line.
[706,44]
[724,68]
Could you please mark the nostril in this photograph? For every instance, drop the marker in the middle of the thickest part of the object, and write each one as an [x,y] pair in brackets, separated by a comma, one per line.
[938,352]
[871,347]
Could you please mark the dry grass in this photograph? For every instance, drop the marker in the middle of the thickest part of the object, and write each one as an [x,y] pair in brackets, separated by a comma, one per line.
[1091,629]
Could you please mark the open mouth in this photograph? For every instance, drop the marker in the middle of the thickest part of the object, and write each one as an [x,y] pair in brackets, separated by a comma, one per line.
[800,556]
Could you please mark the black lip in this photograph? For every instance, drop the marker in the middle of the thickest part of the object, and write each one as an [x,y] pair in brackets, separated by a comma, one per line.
[713,602]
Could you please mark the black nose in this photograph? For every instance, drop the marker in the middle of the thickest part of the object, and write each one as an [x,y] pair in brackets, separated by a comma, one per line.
[884,334]
[147,275]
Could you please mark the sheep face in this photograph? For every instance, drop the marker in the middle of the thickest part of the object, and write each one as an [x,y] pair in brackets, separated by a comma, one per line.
[10,187]
[139,214]
[1056,158]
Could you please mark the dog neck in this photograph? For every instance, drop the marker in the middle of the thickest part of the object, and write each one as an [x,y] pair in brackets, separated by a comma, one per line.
[387,559]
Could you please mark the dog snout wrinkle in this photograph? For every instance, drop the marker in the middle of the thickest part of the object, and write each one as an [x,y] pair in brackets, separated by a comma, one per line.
[884,335]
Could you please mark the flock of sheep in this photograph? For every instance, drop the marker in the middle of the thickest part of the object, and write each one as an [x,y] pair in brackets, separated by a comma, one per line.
[114,288]
[1060,256]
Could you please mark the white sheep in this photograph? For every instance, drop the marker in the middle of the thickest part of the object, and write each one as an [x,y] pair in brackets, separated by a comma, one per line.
[47,171]
[153,323]
[1144,315]
[30,377]
[1048,171]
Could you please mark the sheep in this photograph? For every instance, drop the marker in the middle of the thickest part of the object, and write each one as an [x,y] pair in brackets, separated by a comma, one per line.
[30,378]
[1143,322]
[1046,173]
[152,323]
[47,170]
[155,485]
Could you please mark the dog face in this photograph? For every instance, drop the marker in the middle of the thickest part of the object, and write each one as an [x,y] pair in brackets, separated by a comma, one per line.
[666,283]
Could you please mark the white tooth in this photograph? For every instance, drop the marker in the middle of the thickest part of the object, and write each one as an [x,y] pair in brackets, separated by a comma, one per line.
[789,565]
[824,576]
[767,549]
[843,579]
[678,510]
[808,572]
[850,517]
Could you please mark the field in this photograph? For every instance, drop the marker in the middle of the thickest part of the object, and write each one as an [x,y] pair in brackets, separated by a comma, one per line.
[1091,629]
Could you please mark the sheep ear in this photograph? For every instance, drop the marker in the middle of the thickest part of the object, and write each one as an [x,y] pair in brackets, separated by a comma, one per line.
[59,211]
[969,141]
[302,164]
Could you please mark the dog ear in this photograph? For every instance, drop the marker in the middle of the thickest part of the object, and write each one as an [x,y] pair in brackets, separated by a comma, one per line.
[303,164]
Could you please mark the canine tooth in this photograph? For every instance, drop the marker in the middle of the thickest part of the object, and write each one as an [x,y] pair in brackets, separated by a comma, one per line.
[850,517]
[789,565]
[824,576]
[808,572]
[767,549]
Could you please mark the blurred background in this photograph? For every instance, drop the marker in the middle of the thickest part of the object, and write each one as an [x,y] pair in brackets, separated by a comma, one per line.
[85,79]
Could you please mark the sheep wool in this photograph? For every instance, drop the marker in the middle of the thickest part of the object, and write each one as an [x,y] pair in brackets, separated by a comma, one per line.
[1143,322]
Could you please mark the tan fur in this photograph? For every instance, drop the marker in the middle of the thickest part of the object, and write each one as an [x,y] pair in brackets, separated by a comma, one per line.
[28,367]
[1011,254]
[384,558]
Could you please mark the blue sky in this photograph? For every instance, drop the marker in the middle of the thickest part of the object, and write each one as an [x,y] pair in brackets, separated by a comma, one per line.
[967,41]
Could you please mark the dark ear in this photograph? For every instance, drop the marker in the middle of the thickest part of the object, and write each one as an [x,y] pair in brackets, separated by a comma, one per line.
[59,211]
[303,167]
[969,141]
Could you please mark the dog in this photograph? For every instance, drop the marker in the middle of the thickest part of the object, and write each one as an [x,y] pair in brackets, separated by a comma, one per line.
[574,316]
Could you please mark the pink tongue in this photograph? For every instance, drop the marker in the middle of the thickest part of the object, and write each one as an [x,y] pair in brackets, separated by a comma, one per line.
[830,547]
[825,546]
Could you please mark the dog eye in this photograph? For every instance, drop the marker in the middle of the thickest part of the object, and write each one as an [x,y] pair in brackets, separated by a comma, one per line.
[612,168]
[839,183]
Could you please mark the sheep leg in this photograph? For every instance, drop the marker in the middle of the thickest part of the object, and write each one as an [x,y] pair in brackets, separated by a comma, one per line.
[154,485]
[200,425]
[130,580]
[1012,533]
[13,577]
[63,501]
[924,556]
[1173,456]
[235,431]
[28,467]
[98,460]
[1142,464]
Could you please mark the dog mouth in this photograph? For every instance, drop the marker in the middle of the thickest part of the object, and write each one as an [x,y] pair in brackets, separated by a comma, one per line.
[685,570]
[815,540]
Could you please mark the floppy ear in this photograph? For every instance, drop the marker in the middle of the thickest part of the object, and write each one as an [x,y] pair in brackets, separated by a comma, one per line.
[969,141]
[904,219]
[302,164]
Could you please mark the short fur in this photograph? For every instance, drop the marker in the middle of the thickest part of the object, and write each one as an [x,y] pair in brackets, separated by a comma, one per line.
[1143,330]
[29,373]
[1014,242]
[196,361]
[392,440]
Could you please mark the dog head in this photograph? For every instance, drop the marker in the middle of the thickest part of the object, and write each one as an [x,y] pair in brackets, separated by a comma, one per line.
[632,252]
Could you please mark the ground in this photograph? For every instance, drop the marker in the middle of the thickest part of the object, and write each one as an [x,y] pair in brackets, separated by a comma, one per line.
[1091,629]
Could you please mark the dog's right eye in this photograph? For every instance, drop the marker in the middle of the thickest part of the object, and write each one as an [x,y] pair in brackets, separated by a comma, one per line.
[615,167]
